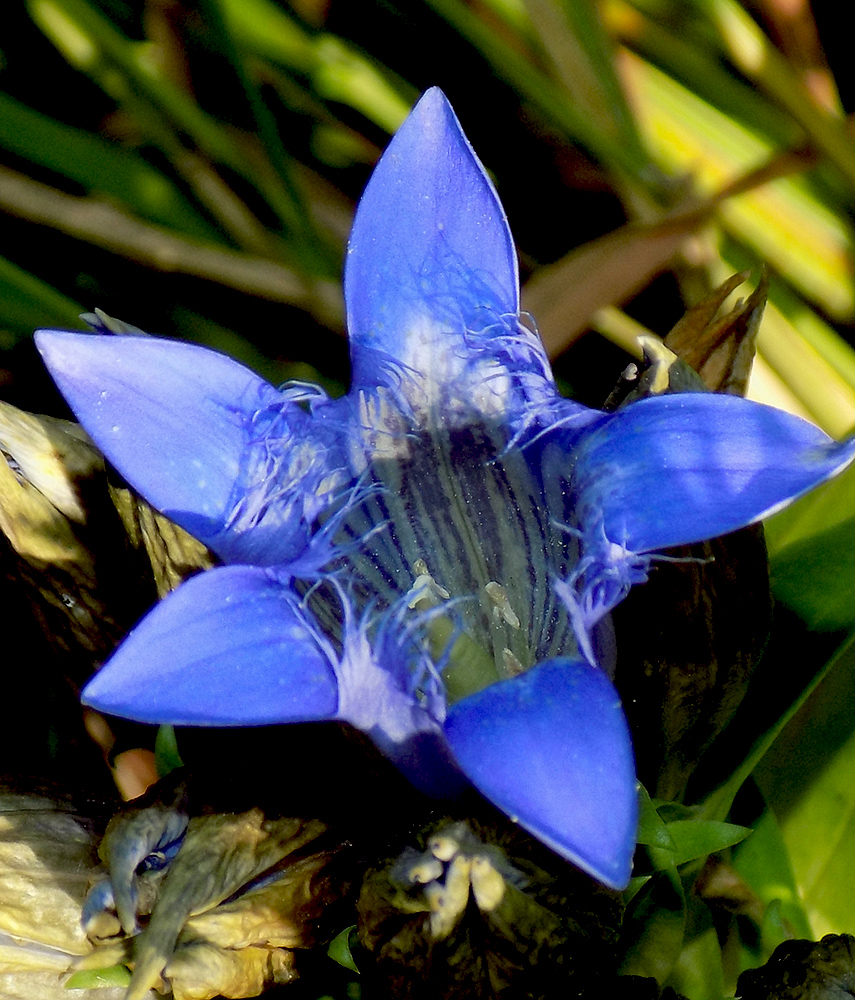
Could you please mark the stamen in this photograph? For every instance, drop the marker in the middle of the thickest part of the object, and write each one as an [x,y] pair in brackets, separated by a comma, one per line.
[425,592]
[502,610]
[488,886]
[513,667]
[426,870]
[447,902]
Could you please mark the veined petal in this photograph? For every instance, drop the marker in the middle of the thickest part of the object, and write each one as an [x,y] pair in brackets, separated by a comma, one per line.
[552,749]
[431,275]
[676,469]
[204,439]
[226,649]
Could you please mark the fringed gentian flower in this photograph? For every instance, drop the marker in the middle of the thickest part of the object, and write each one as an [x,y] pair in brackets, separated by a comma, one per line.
[433,557]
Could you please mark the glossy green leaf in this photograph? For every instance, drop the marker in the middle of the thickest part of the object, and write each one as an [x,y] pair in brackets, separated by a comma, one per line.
[812,555]
[816,578]
[696,838]
[652,829]
[340,948]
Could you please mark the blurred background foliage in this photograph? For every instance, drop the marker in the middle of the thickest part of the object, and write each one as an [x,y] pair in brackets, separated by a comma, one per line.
[192,168]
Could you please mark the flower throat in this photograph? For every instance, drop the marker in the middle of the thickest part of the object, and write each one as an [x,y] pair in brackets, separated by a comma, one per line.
[455,531]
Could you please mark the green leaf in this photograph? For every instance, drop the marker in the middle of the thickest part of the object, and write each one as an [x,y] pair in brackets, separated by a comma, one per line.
[121,67]
[785,221]
[819,832]
[635,886]
[763,861]
[552,101]
[654,927]
[812,555]
[806,779]
[749,49]
[652,829]
[93,979]
[26,302]
[816,578]
[340,948]
[816,364]
[166,755]
[572,35]
[696,838]
[337,71]
[100,166]
[699,973]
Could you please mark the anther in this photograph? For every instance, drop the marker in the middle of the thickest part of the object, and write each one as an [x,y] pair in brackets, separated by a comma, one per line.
[502,610]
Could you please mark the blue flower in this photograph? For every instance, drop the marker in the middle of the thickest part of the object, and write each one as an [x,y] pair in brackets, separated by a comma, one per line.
[433,557]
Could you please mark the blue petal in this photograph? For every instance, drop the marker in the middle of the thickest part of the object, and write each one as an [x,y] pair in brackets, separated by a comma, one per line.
[431,274]
[203,439]
[390,690]
[226,649]
[552,749]
[678,469]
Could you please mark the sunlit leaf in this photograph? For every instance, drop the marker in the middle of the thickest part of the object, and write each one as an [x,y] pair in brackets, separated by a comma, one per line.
[749,49]
[819,830]
[698,972]
[797,345]
[762,860]
[785,223]
[336,69]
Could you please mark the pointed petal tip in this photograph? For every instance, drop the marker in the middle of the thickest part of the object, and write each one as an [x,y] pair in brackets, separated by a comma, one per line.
[434,116]
[432,101]
[431,267]
[53,346]
[676,469]
[171,416]
[551,748]
[225,649]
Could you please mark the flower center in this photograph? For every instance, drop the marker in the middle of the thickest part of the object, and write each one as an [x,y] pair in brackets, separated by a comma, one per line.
[463,530]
